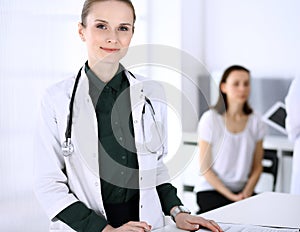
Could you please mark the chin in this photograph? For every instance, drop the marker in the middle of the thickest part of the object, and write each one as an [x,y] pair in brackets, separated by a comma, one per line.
[243,101]
[111,58]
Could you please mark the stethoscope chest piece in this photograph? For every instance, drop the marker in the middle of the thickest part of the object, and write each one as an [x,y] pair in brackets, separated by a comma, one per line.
[67,148]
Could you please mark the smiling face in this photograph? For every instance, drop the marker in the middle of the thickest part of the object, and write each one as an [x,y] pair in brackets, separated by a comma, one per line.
[107,31]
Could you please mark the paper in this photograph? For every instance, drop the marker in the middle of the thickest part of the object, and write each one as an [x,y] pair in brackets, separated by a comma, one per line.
[250,228]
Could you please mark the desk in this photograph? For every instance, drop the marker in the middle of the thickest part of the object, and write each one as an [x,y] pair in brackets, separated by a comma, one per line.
[265,209]
[170,226]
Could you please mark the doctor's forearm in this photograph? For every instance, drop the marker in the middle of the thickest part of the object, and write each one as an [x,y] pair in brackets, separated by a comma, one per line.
[81,218]
[168,197]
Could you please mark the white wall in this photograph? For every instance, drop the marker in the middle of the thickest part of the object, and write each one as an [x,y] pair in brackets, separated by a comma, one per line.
[263,35]
[38,46]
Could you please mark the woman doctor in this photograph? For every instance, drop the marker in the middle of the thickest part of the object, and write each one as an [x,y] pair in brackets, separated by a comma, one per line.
[293,129]
[101,139]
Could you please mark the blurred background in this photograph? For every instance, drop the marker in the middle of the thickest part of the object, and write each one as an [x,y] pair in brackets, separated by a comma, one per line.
[39,46]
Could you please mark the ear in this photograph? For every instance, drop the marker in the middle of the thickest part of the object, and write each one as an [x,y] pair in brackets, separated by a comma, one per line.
[223,87]
[81,31]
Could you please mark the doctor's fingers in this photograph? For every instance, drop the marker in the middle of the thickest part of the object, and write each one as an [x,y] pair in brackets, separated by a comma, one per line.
[135,227]
[212,225]
[198,222]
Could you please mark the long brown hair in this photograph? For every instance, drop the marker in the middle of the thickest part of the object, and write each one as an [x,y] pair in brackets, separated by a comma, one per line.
[88,4]
[222,104]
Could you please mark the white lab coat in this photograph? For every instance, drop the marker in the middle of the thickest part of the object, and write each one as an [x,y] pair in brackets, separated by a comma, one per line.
[61,181]
[293,128]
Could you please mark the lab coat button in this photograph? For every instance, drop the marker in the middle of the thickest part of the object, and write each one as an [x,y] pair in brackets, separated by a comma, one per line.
[135,121]
[141,178]
[96,184]
[141,206]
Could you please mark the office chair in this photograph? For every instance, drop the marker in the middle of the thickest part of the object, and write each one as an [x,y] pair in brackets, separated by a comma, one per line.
[271,167]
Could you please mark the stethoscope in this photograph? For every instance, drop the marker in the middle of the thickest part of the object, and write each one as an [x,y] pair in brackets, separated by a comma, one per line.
[68,147]
[161,144]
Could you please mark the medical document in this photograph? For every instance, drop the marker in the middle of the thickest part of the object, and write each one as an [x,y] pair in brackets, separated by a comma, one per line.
[250,228]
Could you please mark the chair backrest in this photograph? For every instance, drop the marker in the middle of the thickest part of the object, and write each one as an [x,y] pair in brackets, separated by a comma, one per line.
[271,166]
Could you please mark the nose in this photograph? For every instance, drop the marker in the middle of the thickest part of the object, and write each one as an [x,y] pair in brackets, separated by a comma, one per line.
[244,89]
[112,37]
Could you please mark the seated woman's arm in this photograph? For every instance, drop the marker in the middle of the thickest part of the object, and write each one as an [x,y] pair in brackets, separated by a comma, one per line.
[206,169]
[255,171]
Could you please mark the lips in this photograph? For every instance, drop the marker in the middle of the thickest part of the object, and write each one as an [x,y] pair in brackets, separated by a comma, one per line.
[110,50]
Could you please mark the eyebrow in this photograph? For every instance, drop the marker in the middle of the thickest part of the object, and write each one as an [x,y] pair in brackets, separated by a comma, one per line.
[103,21]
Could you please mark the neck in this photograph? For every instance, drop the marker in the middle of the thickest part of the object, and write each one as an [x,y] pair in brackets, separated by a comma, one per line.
[235,111]
[104,71]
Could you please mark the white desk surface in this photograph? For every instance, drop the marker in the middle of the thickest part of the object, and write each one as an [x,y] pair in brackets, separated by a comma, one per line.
[265,209]
[269,209]
[170,226]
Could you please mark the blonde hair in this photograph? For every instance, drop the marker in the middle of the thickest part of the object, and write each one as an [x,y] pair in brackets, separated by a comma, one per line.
[88,4]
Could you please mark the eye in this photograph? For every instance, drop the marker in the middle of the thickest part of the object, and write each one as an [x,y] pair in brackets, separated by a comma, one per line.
[236,83]
[101,26]
[247,83]
[123,28]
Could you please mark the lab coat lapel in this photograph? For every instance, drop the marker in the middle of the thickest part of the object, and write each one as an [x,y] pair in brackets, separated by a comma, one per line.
[147,161]
[85,131]
[137,99]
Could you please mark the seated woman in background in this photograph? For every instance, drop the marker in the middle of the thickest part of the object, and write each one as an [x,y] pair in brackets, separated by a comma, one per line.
[230,143]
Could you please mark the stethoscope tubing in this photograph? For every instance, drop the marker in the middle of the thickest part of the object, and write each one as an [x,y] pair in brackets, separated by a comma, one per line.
[152,112]
[68,148]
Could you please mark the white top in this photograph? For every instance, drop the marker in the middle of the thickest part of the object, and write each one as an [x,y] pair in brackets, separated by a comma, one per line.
[232,153]
[293,129]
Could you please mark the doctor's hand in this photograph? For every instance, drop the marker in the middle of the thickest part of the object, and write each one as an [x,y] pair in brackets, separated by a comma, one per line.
[129,227]
[192,223]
